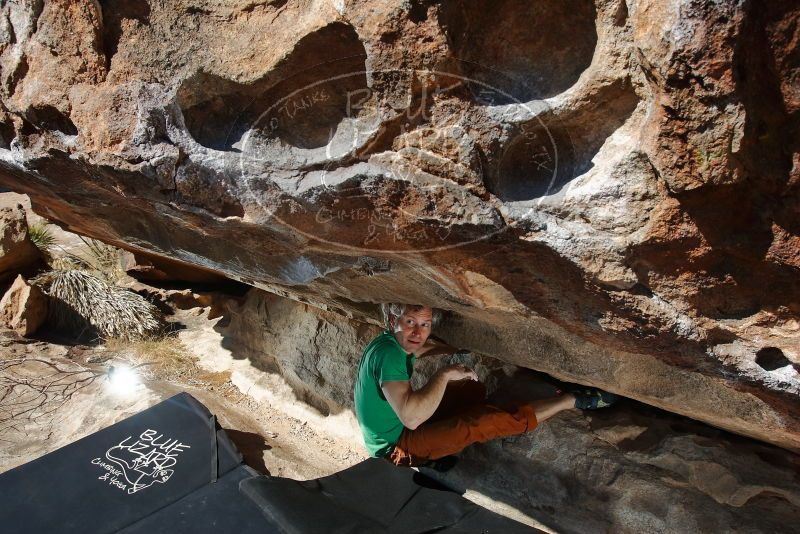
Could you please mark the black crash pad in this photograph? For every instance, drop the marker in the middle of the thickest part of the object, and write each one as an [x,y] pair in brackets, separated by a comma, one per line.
[114,477]
[171,469]
[373,496]
[213,508]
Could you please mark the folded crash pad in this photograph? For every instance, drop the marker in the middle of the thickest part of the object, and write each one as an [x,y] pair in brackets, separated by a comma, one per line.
[116,476]
[373,496]
[172,469]
[214,508]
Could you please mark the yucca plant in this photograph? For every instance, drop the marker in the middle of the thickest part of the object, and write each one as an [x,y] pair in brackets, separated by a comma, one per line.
[43,238]
[87,306]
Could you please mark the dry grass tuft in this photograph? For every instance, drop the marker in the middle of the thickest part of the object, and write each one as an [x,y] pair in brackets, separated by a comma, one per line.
[165,358]
[96,258]
[167,355]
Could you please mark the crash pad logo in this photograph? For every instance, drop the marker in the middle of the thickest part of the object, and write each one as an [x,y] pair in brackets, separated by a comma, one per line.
[139,462]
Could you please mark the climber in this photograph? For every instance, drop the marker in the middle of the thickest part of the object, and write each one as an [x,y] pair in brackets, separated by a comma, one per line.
[418,427]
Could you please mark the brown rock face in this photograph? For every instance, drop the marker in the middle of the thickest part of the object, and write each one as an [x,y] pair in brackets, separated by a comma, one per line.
[23,308]
[17,251]
[630,468]
[607,191]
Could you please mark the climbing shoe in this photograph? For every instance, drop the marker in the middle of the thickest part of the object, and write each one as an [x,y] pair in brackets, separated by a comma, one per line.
[443,464]
[593,398]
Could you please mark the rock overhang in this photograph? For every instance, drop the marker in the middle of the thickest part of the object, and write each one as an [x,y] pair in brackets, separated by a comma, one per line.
[565,215]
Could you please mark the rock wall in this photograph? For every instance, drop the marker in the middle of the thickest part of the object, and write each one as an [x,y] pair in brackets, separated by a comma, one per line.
[17,251]
[605,191]
[631,468]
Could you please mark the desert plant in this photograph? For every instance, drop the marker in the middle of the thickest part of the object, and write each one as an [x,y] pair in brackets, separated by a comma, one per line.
[163,353]
[87,306]
[43,238]
[97,258]
[165,357]
[63,263]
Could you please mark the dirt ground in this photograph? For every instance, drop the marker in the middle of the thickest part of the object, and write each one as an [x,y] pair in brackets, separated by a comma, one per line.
[271,441]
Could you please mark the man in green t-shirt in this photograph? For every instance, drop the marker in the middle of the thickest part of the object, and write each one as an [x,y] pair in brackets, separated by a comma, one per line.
[411,427]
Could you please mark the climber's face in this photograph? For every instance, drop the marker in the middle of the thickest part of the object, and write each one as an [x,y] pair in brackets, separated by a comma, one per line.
[413,327]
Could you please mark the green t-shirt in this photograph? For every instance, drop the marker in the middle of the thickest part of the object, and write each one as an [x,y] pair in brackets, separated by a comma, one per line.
[383,360]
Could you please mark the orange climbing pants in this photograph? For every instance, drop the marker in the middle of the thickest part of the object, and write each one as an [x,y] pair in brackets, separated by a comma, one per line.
[463,418]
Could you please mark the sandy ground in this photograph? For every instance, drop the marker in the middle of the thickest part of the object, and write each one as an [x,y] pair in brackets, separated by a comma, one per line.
[271,441]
